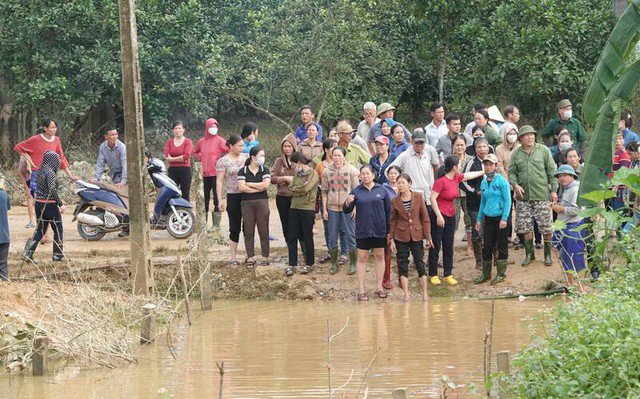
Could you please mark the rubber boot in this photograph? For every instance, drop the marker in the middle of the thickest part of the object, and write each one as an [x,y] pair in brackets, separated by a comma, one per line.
[29,248]
[502,268]
[486,272]
[353,258]
[529,255]
[548,261]
[216,217]
[335,267]
[477,253]
[58,253]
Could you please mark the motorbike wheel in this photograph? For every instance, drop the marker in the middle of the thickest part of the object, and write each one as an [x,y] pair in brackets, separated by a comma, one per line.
[181,226]
[91,233]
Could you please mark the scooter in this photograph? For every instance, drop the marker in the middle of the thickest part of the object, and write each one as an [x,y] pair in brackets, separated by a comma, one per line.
[104,208]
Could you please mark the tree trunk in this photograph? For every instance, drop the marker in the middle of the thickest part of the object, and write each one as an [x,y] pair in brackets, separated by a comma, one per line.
[443,63]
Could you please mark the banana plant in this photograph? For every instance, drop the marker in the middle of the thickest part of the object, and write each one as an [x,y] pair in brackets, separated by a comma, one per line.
[613,82]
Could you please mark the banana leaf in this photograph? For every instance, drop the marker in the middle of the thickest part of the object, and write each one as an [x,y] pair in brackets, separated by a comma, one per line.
[599,160]
[613,62]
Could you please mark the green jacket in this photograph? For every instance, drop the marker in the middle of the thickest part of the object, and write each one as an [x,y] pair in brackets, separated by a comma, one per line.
[492,136]
[534,172]
[304,188]
[356,156]
[574,127]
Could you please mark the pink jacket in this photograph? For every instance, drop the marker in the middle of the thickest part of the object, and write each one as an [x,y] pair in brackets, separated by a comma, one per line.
[209,149]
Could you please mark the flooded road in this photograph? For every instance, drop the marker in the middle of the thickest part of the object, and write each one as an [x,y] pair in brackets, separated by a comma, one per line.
[279,350]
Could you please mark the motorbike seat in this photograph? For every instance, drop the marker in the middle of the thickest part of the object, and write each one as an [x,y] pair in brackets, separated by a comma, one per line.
[121,191]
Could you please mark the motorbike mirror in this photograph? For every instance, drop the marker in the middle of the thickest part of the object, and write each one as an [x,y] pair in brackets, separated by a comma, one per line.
[147,153]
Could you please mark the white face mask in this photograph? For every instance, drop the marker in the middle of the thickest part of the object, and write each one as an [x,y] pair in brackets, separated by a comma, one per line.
[564,146]
[260,161]
[213,130]
[568,114]
[512,138]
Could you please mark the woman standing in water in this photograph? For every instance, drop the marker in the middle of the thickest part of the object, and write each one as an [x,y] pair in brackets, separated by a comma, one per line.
[409,226]
[372,206]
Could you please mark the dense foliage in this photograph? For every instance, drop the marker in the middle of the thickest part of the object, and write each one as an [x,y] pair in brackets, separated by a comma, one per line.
[590,347]
[205,56]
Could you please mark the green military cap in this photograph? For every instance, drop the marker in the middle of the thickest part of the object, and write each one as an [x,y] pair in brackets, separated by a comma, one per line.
[526,129]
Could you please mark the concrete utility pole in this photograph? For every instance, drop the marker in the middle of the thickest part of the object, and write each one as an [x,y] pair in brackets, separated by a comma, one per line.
[141,266]
[619,6]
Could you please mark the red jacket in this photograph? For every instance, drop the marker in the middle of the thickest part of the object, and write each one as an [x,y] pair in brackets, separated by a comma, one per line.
[36,146]
[209,149]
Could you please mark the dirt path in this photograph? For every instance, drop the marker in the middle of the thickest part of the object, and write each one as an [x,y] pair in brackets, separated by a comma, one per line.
[267,282]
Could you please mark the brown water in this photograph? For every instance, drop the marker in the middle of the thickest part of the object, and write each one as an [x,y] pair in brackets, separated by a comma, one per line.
[279,350]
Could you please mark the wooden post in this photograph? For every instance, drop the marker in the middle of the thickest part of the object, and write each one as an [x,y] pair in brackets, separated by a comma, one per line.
[142,269]
[148,329]
[504,367]
[185,292]
[204,269]
[221,388]
[400,393]
[39,357]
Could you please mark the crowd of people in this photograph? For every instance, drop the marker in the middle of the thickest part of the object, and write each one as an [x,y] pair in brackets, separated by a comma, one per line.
[378,189]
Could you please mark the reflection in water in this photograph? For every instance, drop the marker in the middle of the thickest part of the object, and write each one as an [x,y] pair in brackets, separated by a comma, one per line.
[278,350]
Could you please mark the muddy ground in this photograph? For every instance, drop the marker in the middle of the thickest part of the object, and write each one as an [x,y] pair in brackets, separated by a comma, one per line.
[105,262]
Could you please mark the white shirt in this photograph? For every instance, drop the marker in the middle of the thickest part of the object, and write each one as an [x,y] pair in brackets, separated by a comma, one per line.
[419,168]
[363,130]
[434,132]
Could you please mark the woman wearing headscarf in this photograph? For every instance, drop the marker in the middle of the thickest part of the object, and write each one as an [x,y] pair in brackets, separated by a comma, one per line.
[49,207]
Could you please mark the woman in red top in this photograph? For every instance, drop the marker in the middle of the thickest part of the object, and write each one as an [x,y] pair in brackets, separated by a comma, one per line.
[177,152]
[443,217]
[33,148]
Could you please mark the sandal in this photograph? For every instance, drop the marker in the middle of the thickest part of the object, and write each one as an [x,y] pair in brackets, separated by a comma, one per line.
[305,269]
[362,297]
[381,294]
[250,264]
[233,263]
[325,259]
[289,271]
[342,260]
[263,263]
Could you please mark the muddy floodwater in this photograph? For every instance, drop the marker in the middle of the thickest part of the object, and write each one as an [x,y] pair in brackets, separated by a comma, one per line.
[279,350]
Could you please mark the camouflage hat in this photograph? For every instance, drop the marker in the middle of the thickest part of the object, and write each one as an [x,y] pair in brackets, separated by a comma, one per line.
[384,107]
[563,103]
[526,129]
[491,158]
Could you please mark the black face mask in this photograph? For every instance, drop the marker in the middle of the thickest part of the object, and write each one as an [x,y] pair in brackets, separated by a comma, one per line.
[490,175]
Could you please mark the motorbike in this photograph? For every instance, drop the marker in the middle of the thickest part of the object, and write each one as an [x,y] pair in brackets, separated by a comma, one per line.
[104,208]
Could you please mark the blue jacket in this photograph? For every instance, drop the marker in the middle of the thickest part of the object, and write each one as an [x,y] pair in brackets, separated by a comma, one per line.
[373,209]
[495,198]
[399,149]
[380,170]
[5,205]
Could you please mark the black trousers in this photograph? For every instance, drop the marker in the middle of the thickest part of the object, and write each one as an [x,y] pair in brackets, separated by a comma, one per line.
[4,254]
[209,184]
[182,176]
[283,204]
[417,250]
[234,212]
[495,237]
[301,229]
[442,237]
[48,214]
